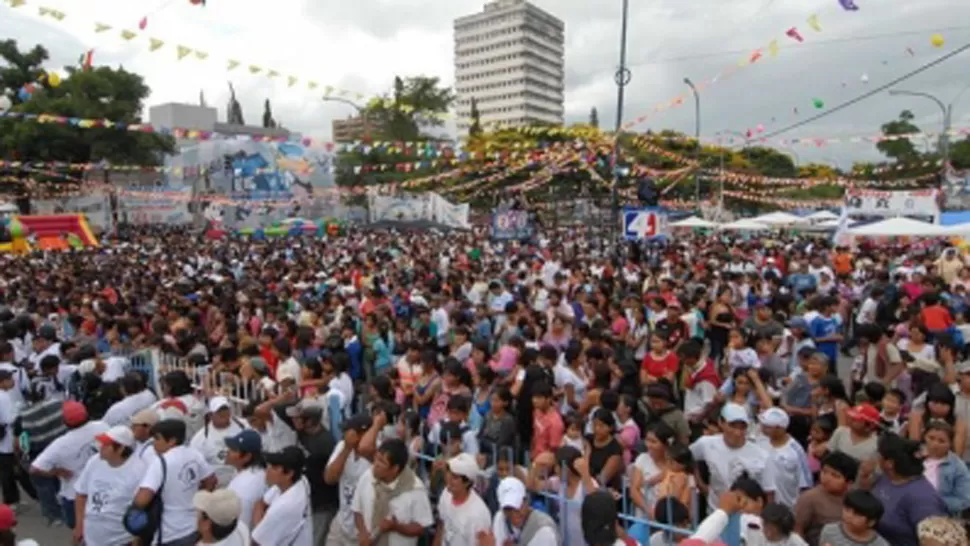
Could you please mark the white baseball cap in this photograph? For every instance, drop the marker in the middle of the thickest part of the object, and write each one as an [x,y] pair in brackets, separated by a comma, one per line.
[120,435]
[774,417]
[511,493]
[464,464]
[218,403]
[735,413]
[221,506]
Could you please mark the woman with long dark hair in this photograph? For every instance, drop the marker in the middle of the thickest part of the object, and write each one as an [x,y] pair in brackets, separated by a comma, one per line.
[940,406]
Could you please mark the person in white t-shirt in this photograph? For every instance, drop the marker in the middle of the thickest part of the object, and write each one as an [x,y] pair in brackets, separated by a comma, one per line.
[344,470]
[462,514]
[184,473]
[66,456]
[105,489]
[792,474]
[220,521]
[210,441]
[391,500]
[729,455]
[8,414]
[283,517]
[509,523]
[137,398]
[141,428]
[249,483]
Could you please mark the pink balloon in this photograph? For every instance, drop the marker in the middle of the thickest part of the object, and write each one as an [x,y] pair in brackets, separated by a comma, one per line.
[761,128]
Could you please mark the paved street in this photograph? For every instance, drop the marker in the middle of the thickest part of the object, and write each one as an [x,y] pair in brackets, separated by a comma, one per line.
[30,524]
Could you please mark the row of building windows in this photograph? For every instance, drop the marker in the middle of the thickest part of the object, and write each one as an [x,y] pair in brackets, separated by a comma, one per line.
[530,81]
[512,121]
[523,95]
[547,23]
[553,69]
[537,73]
[486,112]
[531,41]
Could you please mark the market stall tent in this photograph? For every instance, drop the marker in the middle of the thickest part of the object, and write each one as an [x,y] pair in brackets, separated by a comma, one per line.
[780,219]
[745,224]
[694,222]
[900,227]
[822,216]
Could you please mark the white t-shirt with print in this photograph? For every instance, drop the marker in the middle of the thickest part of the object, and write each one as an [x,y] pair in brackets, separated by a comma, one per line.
[71,452]
[461,523]
[288,520]
[792,474]
[211,443]
[546,536]
[354,468]
[412,506]
[185,470]
[109,492]
[250,486]
[727,464]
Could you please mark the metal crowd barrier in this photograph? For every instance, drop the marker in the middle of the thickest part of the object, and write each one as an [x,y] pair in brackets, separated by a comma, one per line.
[153,363]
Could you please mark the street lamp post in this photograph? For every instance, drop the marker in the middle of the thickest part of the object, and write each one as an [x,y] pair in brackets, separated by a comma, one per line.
[697,135]
[622,78]
[947,110]
[361,111]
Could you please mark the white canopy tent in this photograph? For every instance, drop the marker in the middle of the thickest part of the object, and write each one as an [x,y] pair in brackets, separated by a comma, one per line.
[822,216]
[900,227]
[780,219]
[694,222]
[744,224]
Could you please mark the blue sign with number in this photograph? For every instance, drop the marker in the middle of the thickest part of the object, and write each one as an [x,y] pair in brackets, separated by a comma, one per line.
[640,224]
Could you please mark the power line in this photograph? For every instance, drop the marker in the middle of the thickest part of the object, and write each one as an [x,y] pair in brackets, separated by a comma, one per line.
[866,95]
[814,43]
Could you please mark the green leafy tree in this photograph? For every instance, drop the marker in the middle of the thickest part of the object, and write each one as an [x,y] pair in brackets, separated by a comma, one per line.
[475,128]
[594,118]
[960,154]
[101,93]
[416,103]
[902,150]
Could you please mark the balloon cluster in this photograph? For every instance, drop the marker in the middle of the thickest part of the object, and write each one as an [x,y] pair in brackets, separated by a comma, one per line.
[26,92]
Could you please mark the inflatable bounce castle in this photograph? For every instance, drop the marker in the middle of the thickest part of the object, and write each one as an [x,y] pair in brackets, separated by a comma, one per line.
[49,232]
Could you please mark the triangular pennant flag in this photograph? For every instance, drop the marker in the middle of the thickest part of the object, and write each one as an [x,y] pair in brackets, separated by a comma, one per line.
[59,15]
[794,34]
[232,65]
[154,44]
[143,23]
[17,3]
[312,85]
[773,48]
[201,55]
[128,35]
[327,91]
[291,80]
[272,74]
[181,52]
[101,27]
[253,69]
[813,22]
[42,11]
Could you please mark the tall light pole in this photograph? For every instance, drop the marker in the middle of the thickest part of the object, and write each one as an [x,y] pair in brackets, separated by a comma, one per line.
[947,117]
[697,135]
[361,111]
[622,78]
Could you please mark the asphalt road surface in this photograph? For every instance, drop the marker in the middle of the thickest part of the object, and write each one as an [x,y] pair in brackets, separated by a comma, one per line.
[30,524]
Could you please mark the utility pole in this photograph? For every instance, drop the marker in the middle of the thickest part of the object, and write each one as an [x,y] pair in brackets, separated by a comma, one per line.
[697,135]
[622,78]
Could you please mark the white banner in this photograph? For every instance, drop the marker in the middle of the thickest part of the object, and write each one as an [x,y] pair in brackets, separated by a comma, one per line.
[95,206]
[956,189]
[429,207]
[155,206]
[455,216]
[914,203]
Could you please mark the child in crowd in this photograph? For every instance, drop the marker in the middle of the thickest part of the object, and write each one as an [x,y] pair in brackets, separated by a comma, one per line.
[668,511]
[892,416]
[822,504]
[574,432]
[678,477]
[779,526]
[818,443]
[861,511]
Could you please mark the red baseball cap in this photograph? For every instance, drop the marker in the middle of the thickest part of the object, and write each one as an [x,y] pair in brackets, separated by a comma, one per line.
[75,413]
[8,519]
[866,413]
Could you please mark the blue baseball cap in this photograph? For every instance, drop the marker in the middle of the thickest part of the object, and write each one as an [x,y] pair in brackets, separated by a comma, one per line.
[247,441]
[798,322]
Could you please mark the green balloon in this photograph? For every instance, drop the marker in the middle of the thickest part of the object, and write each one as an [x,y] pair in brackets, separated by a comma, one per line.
[819,103]
[15,228]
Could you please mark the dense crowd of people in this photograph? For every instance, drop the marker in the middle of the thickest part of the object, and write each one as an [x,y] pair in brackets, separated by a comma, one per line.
[392,389]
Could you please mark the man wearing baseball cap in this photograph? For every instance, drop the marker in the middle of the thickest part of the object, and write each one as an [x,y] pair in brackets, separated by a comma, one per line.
[106,487]
[462,514]
[66,456]
[516,517]
[786,454]
[859,438]
[210,441]
[249,483]
[141,428]
[284,515]
[220,518]
[729,453]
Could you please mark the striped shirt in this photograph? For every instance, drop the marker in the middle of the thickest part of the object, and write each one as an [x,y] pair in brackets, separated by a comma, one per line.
[42,422]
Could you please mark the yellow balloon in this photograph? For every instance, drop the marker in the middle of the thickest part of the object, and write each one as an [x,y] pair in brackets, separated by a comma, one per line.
[937,40]
[54,79]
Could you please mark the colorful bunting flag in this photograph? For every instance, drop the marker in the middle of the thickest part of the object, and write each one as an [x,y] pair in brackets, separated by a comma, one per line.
[813,22]
[253,69]
[291,81]
[154,44]
[128,35]
[773,48]
[794,34]
[101,27]
[181,52]
[201,55]
[232,65]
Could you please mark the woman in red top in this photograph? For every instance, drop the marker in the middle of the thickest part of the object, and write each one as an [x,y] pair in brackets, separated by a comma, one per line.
[935,317]
[659,363]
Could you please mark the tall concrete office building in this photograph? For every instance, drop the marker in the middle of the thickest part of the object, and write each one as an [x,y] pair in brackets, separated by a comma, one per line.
[510,58]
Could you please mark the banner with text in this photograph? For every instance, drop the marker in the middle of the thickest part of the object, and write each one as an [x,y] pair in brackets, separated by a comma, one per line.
[913,203]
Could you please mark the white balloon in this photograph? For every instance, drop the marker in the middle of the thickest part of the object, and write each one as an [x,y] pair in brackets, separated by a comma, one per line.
[5,103]
[865,78]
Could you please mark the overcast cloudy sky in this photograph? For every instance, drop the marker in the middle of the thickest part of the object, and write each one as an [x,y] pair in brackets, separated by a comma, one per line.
[360,45]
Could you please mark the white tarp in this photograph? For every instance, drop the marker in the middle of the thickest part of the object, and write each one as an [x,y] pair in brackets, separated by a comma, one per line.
[779,219]
[822,216]
[429,207]
[900,227]
[693,222]
[744,224]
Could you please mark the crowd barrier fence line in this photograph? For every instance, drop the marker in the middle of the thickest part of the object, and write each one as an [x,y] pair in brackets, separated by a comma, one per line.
[153,364]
